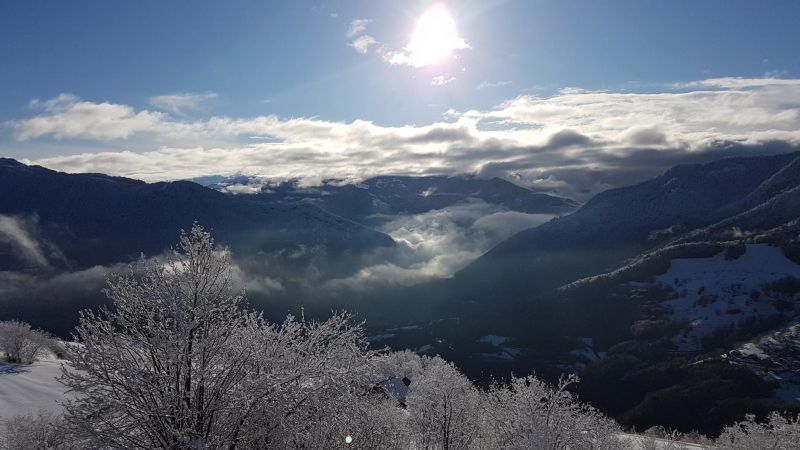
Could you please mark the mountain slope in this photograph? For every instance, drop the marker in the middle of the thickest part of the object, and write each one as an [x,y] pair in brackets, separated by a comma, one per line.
[98,219]
[392,195]
[616,225]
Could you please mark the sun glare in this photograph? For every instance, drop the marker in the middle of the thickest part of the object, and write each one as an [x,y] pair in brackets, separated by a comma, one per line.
[435,38]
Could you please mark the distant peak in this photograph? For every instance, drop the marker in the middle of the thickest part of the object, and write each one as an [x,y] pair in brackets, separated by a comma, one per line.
[9,162]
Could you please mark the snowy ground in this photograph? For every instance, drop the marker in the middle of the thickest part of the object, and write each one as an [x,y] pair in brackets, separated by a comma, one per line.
[714,293]
[640,442]
[502,353]
[26,389]
[775,357]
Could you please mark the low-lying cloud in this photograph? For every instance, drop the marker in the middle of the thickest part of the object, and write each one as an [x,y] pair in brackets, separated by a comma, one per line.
[437,243]
[15,233]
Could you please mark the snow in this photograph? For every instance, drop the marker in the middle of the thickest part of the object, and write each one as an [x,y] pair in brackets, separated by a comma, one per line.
[776,358]
[425,349]
[382,337]
[404,328]
[26,389]
[641,442]
[501,356]
[715,293]
[503,353]
[493,339]
[587,354]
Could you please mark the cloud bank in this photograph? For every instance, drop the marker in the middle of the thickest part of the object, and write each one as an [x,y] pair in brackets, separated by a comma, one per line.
[575,142]
[436,244]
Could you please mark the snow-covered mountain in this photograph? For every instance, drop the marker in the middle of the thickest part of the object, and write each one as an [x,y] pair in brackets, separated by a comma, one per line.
[775,357]
[620,223]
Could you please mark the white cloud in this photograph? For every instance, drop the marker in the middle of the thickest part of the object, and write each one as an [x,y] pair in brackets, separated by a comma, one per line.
[493,84]
[441,80]
[362,43]
[357,26]
[66,116]
[182,103]
[573,141]
[438,243]
[739,83]
[434,40]
[242,188]
[14,232]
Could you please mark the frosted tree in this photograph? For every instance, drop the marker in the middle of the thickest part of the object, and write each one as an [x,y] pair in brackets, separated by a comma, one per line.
[179,363]
[158,369]
[305,384]
[21,343]
[443,407]
[530,414]
[43,430]
[779,433]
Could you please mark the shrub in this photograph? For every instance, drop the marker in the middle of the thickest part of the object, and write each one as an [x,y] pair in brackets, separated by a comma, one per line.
[22,344]
[40,431]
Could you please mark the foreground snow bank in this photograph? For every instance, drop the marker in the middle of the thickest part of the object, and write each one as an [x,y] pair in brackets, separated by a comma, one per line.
[26,389]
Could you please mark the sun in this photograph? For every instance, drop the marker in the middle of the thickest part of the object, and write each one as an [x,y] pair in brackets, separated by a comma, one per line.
[435,38]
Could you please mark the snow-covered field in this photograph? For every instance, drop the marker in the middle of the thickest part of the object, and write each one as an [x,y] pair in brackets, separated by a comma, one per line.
[715,293]
[26,389]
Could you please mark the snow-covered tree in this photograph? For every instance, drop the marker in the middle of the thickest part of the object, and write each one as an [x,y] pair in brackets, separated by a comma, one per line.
[530,414]
[779,433]
[179,363]
[306,380]
[21,343]
[158,369]
[443,407]
[43,430]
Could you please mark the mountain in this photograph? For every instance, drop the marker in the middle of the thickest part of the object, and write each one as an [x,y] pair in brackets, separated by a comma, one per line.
[643,290]
[620,223]
[379,197]
[98,219]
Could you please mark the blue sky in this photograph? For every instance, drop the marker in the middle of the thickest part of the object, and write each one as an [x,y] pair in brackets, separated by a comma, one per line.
[184,63]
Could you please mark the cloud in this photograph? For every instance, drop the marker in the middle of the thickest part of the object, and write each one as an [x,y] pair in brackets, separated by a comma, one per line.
[238,188]
[357,26]
[415,56]
[14,233]
[576,142]
[493,84]
[434,40]
[363,43]
[739,83]
[64,286]
[437,243]
[441,80]
[66,116]
[184,103]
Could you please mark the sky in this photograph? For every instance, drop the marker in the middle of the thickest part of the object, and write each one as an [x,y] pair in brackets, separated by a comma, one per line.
[568,96]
